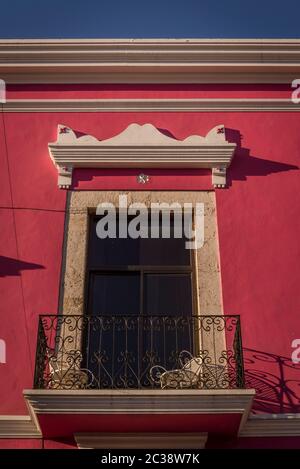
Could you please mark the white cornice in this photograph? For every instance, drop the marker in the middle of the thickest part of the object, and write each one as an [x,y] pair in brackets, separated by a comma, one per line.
[141,146]
[18,426]
[139,401]
[181,56]
[152,105]
[269,425]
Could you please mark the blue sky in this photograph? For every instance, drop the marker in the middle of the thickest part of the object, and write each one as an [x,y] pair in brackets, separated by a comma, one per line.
[149,18]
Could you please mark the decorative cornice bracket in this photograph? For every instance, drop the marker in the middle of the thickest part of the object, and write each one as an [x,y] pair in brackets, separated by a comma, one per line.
[65,176]
[219,177]
[141,146]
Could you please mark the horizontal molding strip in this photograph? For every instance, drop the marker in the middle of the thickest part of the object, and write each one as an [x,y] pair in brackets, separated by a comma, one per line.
[130,402]
[130,77]
[268,425]
[149,61]
[173,53]
[152,105]
[18,426]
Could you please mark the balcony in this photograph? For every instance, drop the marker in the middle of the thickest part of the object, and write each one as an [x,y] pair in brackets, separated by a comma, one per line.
[139,374]
[136,352]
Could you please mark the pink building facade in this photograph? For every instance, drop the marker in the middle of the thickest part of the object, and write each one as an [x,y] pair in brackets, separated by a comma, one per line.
[68,143]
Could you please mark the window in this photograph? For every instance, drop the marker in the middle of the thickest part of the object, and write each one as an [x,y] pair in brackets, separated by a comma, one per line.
[149,276]
[139,297]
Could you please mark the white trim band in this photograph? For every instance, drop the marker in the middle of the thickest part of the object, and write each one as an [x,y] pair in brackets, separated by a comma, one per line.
[149,60]
[18,426]
[152,105]
[268,425]
[109,402]
[150,78]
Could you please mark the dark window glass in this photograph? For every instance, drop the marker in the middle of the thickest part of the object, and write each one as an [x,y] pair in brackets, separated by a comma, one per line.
[140,251]
[167,294]
[139,292]
[115,293]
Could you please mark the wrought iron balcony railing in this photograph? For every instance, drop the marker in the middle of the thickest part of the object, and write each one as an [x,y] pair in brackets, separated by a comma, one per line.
[117,352]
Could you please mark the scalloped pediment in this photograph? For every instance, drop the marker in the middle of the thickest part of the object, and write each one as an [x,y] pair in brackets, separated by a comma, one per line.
[141,146]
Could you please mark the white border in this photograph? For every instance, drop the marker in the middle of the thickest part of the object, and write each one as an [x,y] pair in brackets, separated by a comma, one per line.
[152,60]
[152,105]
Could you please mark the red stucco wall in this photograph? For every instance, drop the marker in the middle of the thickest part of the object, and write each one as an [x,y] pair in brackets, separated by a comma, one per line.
[258,223]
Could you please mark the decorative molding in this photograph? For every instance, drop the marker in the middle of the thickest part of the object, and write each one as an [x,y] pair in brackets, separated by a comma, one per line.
[169,56]
[269,425]
[18,426]
[141,440]
[140,402]
[152,105]
[137,401]
[148,77]
[141,146]
[142,178]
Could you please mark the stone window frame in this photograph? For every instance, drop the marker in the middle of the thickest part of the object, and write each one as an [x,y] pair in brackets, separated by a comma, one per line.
[205,260]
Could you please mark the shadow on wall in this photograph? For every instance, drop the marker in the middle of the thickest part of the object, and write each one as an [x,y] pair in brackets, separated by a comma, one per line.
[12,267]
[244,165]
[276,380]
